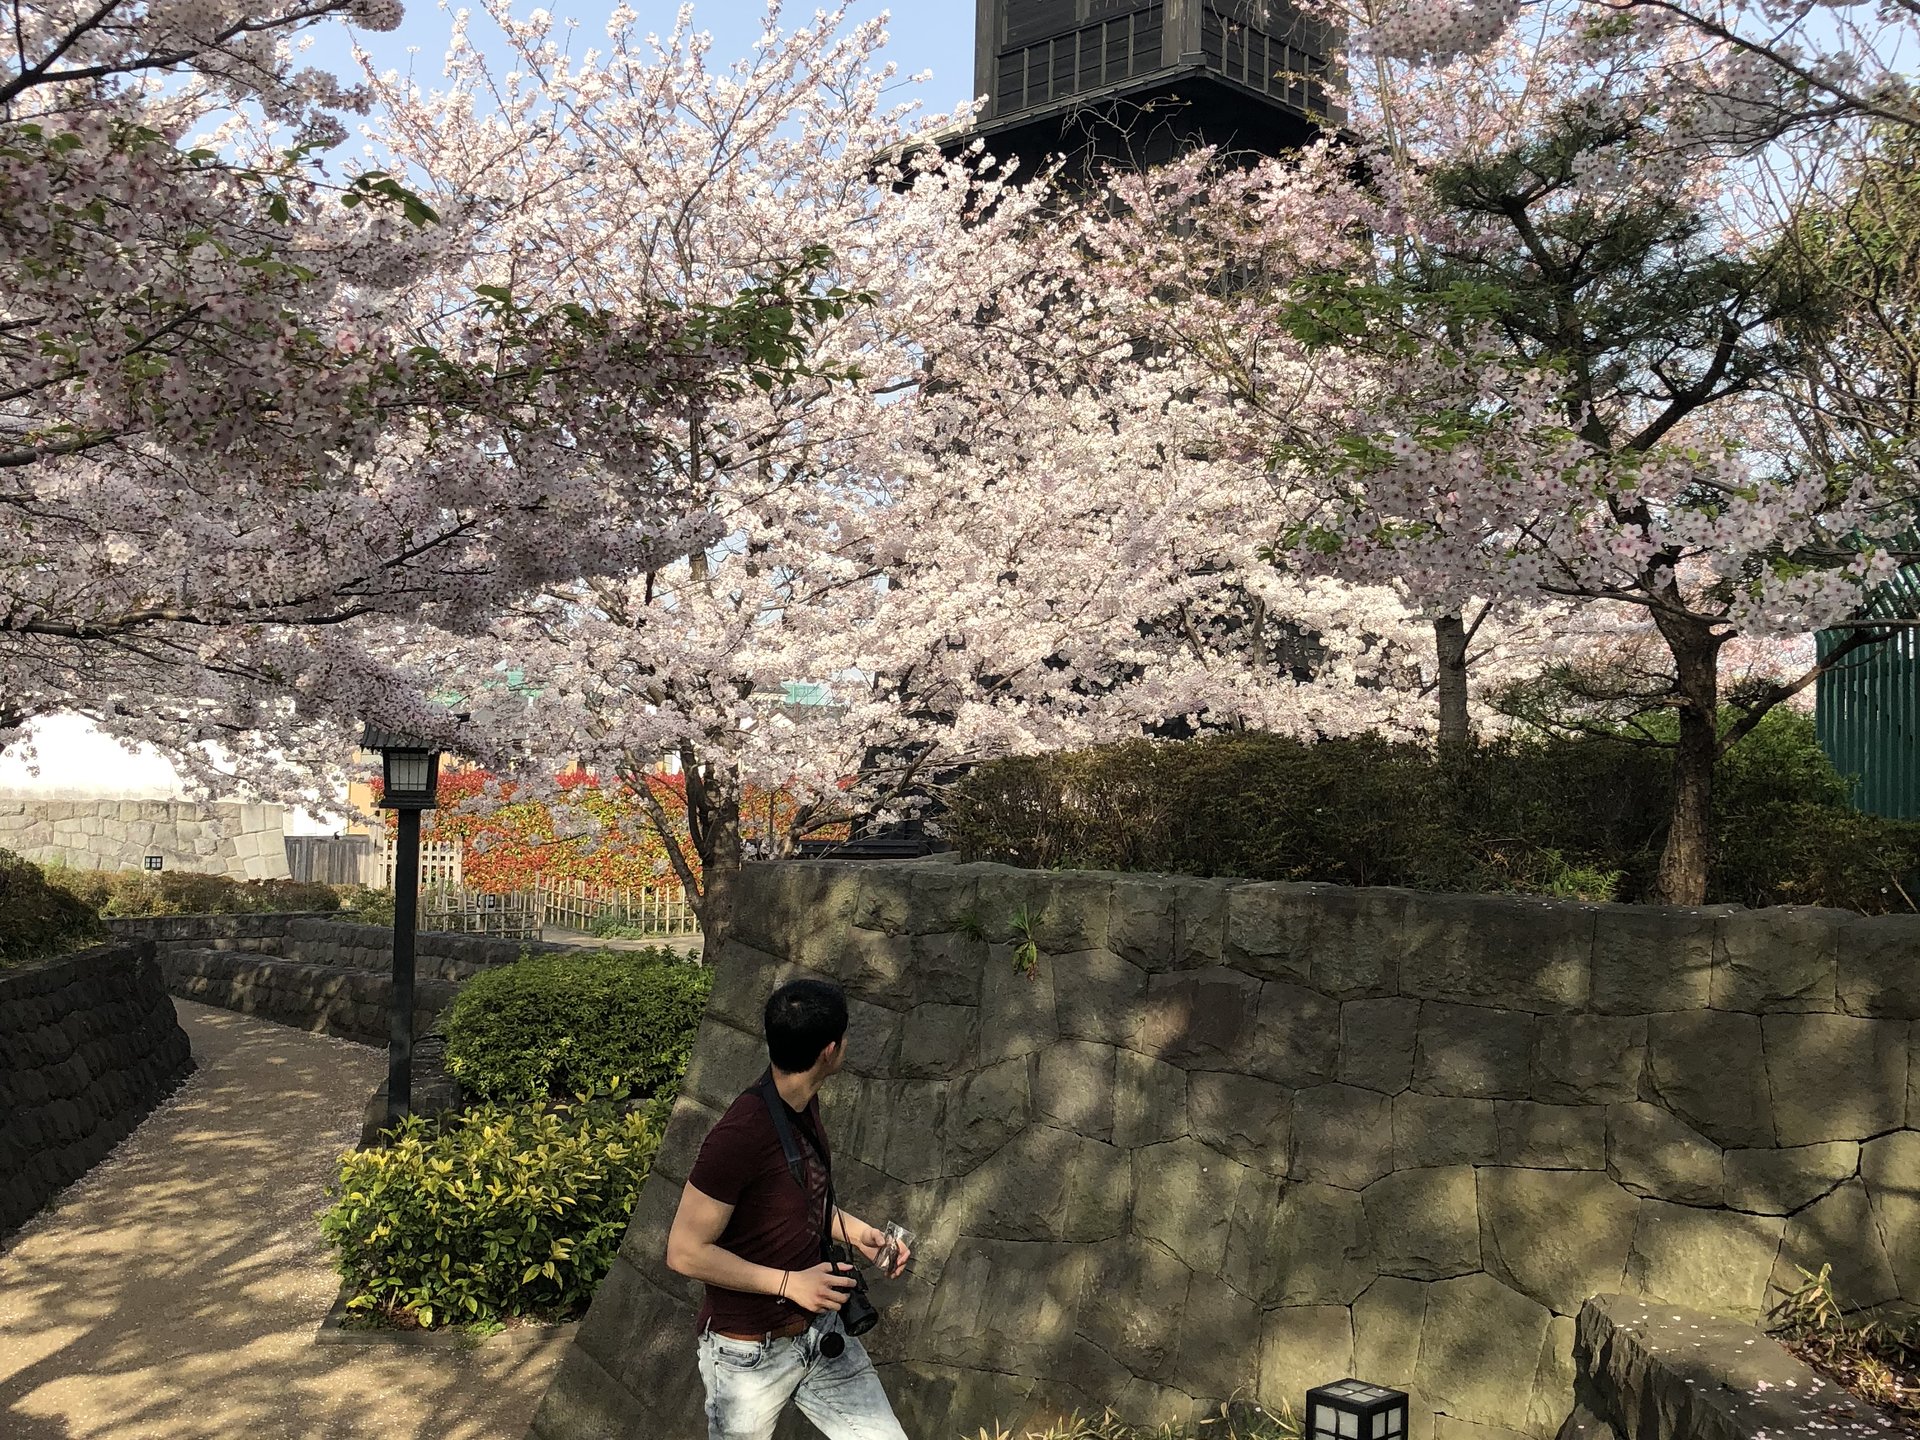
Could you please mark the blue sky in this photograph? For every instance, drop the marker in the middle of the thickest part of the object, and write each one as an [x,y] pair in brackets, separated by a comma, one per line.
[929,35]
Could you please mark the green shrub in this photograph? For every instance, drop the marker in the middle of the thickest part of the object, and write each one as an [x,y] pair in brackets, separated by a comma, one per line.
[568,1024]
[1581,819]
[183,892]
[501,1212]
[38,919]
[366,906]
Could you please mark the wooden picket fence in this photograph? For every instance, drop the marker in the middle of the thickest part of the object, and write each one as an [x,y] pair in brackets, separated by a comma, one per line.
[578,905]
[517,915]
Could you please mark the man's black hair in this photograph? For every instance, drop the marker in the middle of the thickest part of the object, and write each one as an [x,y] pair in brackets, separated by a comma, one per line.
[803,1018]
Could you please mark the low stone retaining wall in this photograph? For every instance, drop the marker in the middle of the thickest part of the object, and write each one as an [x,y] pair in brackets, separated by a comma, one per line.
[325,999]
[1649,1372]
[243,842]
[314,971]
[1211,1138]
[89,1043]
[325,939]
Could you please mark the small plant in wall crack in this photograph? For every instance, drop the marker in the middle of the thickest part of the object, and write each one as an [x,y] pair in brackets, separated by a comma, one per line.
[970,926]
[1026,954]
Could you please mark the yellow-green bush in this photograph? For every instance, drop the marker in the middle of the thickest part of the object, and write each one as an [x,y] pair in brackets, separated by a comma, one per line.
[501,1212]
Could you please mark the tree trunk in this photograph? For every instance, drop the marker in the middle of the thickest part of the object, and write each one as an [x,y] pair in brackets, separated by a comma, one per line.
[721,854]
[1689,852]
[1450,642]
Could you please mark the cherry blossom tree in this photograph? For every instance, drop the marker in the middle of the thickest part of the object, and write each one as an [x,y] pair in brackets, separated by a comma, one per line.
[1524,337]
[251,415]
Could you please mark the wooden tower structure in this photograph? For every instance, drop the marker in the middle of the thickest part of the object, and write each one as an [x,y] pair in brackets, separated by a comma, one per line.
[1141,81]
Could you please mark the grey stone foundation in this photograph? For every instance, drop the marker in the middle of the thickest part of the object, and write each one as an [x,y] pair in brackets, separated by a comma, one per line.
[1237,1139]
[88,1045]
[243,842]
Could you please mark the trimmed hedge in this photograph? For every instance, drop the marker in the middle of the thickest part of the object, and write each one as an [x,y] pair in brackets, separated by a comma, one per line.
[498,1213]
[38,920]
[1583,819]
[132,893]
[561,1025]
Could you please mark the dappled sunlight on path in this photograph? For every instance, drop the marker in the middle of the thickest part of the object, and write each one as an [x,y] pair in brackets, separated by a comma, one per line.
[174,1292]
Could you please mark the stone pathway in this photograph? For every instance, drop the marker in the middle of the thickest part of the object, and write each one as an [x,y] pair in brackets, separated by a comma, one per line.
[173,1293]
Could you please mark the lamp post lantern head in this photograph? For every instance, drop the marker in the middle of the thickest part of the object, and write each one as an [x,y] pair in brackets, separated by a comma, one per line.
[1355,1410]
[409,770]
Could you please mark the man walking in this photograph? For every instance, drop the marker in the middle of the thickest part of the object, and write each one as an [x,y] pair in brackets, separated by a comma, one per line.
[751,1227]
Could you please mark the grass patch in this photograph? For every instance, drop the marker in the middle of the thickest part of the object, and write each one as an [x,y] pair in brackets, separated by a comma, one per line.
[1875,1358]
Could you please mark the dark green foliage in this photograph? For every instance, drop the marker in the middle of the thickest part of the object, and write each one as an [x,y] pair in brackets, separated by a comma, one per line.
[38,919]
[501,1212]
[181,892]
[366,906]
[569,1024]
[1580,818]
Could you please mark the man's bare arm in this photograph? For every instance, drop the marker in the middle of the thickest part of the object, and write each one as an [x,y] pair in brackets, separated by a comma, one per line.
[694,1250]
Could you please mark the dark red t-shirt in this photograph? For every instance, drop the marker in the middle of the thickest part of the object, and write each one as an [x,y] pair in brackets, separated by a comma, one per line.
[774,1221]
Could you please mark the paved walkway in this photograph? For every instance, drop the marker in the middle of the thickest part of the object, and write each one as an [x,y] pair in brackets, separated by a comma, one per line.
[173,1293]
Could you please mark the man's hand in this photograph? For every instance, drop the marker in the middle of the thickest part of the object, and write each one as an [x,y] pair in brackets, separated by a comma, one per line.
[818,1290]
[870,1242]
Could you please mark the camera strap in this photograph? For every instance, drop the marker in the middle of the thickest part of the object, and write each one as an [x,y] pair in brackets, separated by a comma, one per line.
[796,1165]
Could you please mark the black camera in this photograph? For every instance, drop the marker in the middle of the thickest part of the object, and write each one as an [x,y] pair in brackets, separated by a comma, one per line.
[857,1312]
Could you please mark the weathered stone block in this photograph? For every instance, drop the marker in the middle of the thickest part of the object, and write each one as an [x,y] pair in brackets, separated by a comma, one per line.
[1202,1019]
[936,1040]
[948,967]
[1150,1100]
[916,1111]
[1376,1043]
[873,1032]
[1006,1305]
[1890,1166]
[1714,1260]
[1879,962]
[1271,927]
[1073,1087]
[1504,952]
[1424,1224]
[1648,959]
[1480,1053]
[1136,1306]
[1065,912]
[1442,1130]
[1302,1346]
[1296,1038]
[984,1111]
[725,1062]
[1783,958]
[1835,1077]
[1317,1248]
[1357,950]
[1205,1367]
[1241,1117]
[1588,1059]
[1556,1236]
[1016,1009]
[1100,997]
[1779,1182]
[1551,1137]
[1184,1198]
[1839,1230]
[1387,1322]
[1651,1152]
[1479,1349]
[941,899]
[1707,1068]
[1168,922]
[1342,1135]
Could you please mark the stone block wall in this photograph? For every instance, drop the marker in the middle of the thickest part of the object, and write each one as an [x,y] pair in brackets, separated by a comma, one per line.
[88,1045]
[245,842]
[1236,1139]
[313,971]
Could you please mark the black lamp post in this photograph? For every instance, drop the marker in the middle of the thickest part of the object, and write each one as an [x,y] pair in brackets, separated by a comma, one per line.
[410,775]
[1355,1410]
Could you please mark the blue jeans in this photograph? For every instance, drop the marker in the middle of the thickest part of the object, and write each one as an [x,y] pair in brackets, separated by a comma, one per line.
[749,1383]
